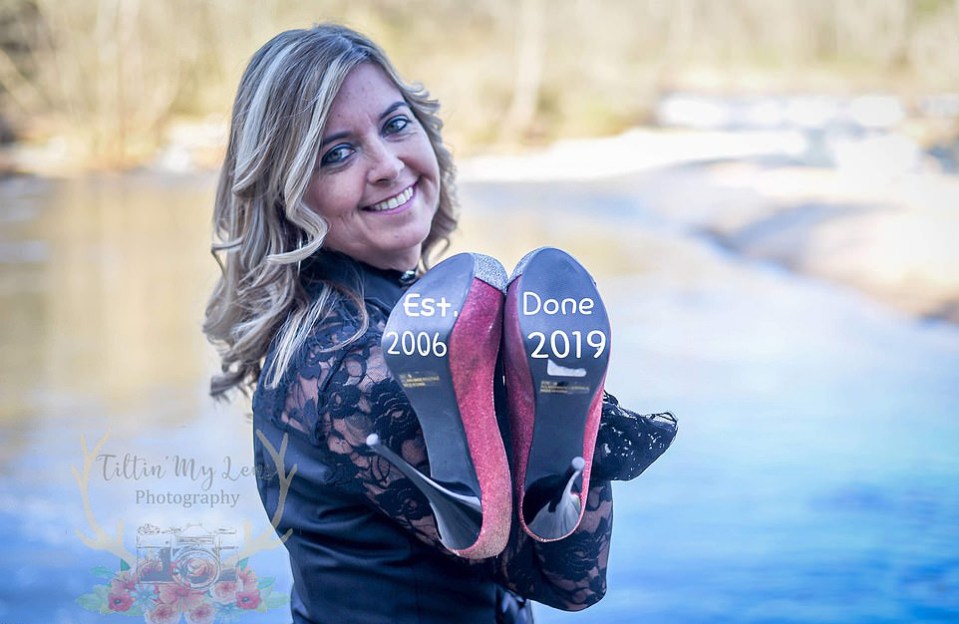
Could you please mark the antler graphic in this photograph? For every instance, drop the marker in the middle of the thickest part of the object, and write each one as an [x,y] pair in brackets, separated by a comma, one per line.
[268,538]
[100,539]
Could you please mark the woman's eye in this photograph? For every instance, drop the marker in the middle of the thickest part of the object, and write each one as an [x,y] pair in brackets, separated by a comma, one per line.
[396,124]
[336,155]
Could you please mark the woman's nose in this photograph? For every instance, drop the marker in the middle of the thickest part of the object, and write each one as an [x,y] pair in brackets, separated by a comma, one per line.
[385,165]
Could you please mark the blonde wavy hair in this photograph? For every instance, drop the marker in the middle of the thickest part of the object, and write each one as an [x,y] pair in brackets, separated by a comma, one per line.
[262,227]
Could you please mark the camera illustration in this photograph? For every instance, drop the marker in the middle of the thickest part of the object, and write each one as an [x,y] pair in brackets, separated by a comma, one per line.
[191,557]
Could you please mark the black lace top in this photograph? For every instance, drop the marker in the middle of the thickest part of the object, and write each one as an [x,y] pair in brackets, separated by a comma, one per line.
[364,545]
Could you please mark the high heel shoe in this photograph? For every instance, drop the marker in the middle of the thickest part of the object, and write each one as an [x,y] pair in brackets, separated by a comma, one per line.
[441,344]
[556,346]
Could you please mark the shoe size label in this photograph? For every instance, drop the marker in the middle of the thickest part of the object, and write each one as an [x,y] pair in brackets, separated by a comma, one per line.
[418,380]
[547,386]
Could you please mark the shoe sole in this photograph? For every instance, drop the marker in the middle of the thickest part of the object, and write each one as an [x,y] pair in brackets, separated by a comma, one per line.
[557,343]
[441,343]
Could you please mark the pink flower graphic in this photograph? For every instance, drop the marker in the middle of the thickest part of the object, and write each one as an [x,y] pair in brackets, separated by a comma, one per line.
[124,581]
[120,600]
[165,602]
[248,577]
[248,599]
[181,598]
[201,614]
[162,613]
[224,592]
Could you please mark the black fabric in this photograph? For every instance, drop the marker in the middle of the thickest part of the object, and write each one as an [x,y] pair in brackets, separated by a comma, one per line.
[628,443]
[512,609]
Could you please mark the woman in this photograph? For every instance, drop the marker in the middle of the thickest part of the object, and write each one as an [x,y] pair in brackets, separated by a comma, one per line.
[335,191]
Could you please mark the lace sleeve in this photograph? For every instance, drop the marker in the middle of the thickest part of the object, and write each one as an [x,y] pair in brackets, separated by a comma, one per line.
[338,398]
[628,443]
[569,574]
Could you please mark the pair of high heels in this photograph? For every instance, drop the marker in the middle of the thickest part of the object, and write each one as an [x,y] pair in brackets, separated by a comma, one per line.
[547,325]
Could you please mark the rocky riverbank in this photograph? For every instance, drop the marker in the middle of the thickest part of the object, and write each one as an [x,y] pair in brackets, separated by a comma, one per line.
[867,207]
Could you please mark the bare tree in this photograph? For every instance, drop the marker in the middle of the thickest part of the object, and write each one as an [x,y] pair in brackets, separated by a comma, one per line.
[528,75]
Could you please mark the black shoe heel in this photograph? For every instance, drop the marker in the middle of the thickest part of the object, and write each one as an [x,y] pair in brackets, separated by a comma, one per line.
[560,514]
[458,516]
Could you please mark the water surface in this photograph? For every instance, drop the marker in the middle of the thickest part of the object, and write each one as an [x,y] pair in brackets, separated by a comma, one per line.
[813,479]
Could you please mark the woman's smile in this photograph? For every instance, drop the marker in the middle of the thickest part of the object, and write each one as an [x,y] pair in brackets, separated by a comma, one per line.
[396,204]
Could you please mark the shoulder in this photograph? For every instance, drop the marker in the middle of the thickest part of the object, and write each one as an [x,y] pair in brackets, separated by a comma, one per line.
[339,350]
[347,348]
[341,333]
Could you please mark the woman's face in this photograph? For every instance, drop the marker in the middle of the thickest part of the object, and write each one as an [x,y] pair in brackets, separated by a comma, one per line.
[376,180]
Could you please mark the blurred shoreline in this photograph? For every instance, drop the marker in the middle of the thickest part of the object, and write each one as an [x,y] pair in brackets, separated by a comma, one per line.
[860,191]
[850,190]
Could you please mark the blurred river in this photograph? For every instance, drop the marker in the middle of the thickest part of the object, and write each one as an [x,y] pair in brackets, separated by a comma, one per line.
[813,480]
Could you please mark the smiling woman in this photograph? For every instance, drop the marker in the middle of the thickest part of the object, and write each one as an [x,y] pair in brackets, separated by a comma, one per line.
[304,169]
[335,190]
[377,179]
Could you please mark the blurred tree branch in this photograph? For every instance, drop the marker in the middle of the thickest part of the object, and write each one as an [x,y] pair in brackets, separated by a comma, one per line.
[530,50]
[17,86]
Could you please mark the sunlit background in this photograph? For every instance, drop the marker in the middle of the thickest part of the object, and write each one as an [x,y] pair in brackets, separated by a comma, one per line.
[765,191]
